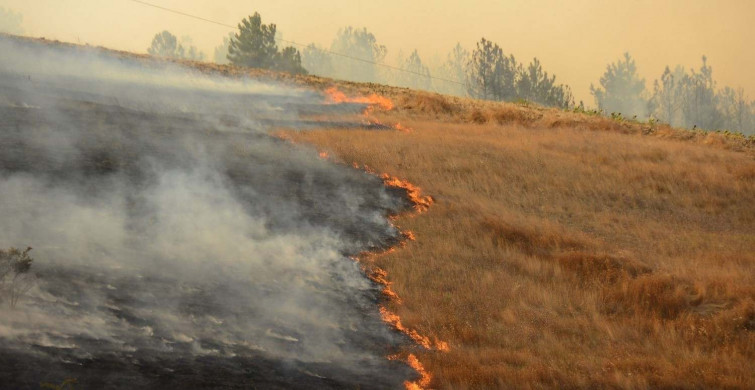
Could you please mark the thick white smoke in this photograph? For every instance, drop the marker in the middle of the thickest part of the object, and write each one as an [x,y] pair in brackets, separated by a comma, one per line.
[175,243]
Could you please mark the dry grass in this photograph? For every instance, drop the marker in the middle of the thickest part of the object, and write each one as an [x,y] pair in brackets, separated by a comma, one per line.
[568,251]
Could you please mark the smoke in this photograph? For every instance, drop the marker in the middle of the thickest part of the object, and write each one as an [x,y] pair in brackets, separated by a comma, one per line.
[176,244]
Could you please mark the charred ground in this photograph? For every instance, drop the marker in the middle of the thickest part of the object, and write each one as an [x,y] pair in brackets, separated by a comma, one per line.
[177,244]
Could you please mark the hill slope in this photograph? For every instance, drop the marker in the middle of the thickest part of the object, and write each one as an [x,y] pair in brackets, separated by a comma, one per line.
[566,250]
[563,250]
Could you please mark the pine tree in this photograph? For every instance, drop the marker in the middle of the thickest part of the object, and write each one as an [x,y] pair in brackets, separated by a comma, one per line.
[254,46]
[621,89]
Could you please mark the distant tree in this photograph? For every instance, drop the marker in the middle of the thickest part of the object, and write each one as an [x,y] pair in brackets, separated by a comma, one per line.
[454,69]
[15,278]
[736,110]
[190,51]
[363,45]
[221,51]
[317,61]
[491,75]
[289,60]
[165,44]
[700,100]
[254,46]
[534,84]
[621,89]
[416,75]
[11,22]
[668,96]
[691,100]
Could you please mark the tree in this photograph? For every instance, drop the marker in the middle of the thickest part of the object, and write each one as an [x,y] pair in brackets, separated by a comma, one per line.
[317,61]
[15,278]
[190,51]
[491,74]
[416,75]
[667,100]
[454,69]
[254,46]
[700,100]
[361,44]
[621,89]
[690,100]
[736,110]
[289,60]
[221,51]
[165,44]
[534,84]
[11,22]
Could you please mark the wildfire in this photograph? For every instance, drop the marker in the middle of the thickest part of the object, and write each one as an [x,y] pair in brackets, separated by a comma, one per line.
[401,128]
[394,320]
[334,95]
[324,155]
[421,202]
[424,377]
[379,276]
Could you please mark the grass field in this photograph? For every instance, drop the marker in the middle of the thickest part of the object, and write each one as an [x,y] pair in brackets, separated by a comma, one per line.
[565,250]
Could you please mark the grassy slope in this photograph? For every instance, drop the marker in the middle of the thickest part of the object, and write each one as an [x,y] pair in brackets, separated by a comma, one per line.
[564,250]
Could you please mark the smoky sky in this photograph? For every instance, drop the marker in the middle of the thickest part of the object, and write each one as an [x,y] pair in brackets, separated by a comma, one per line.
[574,40]
[176,244]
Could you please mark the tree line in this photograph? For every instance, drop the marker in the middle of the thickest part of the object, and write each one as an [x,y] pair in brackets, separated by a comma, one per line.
[679,97]
[485,73]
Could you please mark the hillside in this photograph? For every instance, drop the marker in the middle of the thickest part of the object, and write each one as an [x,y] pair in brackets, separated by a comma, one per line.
[557,249]
[565,250]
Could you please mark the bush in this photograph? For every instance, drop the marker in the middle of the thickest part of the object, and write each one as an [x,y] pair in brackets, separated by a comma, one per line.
[15,278]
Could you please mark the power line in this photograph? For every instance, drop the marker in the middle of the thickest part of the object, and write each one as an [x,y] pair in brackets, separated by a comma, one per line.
[177,12]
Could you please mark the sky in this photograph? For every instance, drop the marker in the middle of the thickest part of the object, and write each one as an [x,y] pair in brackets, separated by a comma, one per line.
[574,39]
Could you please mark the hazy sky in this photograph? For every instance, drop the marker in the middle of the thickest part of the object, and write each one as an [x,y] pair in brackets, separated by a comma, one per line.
[574,39]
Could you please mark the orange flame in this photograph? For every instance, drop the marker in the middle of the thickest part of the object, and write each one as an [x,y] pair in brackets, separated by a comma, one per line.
[394,320]
[421,202]
[379,276]
[424,377]
[324,155]
[402,128]
[334,95]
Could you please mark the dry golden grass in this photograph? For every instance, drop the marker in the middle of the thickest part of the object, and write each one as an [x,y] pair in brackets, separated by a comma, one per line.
[567,251]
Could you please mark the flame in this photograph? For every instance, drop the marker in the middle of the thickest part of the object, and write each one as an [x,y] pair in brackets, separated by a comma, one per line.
[409,235]
[334,95]
[401,128]
[324,155]
[378,275]
[394,320]
[421,202]
[424,377]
